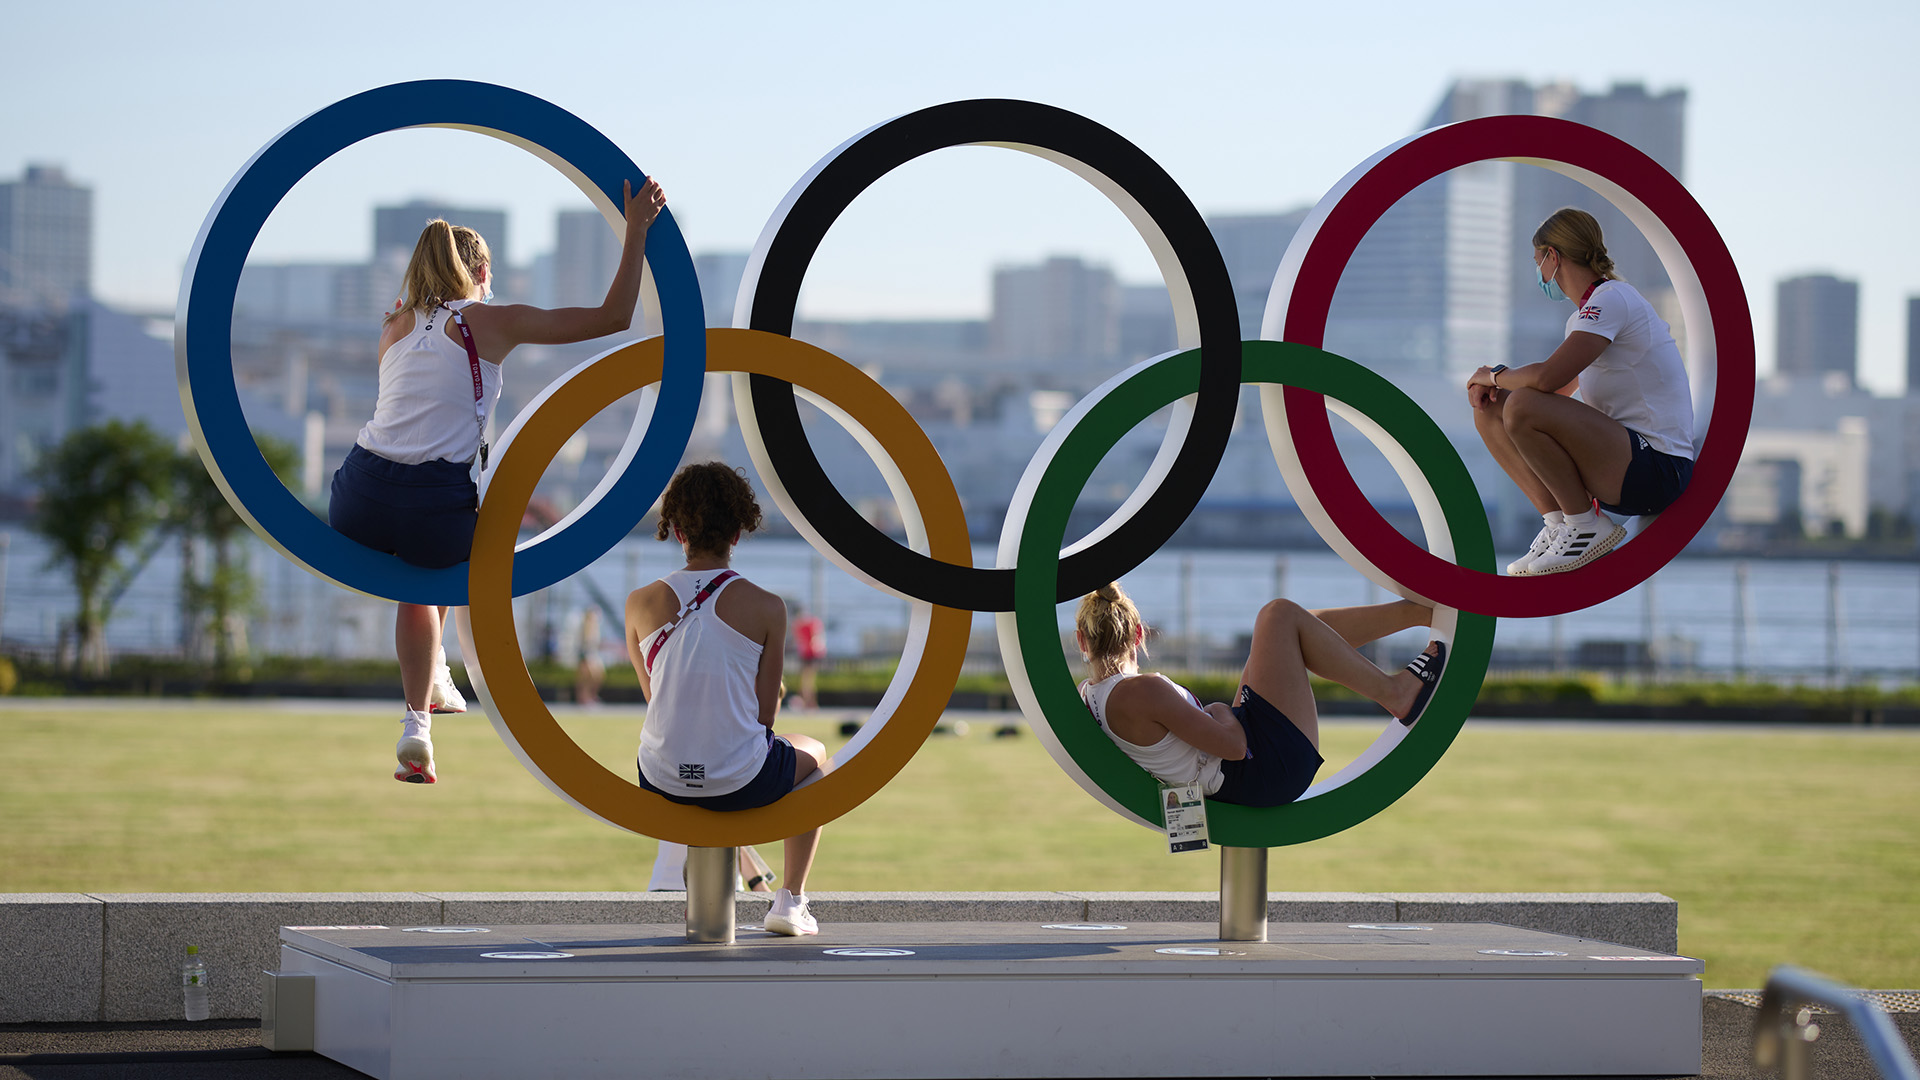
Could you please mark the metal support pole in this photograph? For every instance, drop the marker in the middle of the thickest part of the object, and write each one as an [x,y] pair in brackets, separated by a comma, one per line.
[1742,605]
[1836,628]
[817,589]
[1243,894]
[710,874]
[1650,599]
[1187,629]
[6,543]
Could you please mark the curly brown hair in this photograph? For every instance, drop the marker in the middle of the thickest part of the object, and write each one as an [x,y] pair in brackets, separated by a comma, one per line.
[709,503]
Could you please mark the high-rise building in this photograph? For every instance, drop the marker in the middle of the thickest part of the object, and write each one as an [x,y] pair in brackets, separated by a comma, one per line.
[1062,310]
[1426,291]
[1816,319]
[46,239]
[1443,282]
[1252,245]
[586,252]
[720,274]
[1913,346]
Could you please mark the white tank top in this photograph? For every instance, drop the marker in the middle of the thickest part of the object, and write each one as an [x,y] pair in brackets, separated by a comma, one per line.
[425,408]
[1171,760]
[703,734]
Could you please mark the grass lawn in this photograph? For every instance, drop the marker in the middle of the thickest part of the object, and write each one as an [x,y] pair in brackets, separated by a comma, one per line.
[1781,846]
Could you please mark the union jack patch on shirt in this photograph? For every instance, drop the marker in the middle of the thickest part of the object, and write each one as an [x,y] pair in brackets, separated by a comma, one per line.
[693,772]
[1591,313]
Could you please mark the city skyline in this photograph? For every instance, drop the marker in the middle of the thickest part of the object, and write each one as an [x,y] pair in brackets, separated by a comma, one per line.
[147,116]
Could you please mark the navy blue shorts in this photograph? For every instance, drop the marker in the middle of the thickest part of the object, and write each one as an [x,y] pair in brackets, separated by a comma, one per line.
[1281,761]
[423,513]
[1653,479]
[773,781]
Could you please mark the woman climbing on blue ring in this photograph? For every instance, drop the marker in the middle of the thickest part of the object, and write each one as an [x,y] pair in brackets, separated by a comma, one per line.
[1263,750]
[1626,447]
[408,485]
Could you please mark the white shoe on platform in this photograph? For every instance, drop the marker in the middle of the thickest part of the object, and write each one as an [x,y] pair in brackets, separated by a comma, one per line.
[789,916]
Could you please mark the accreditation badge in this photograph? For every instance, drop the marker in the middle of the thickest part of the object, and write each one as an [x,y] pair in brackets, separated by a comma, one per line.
[1186,816]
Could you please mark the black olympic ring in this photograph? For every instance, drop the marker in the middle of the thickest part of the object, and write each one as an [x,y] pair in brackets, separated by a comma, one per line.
[1142,189]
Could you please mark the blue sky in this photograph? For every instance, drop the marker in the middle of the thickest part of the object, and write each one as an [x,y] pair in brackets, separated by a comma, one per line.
[1800,140]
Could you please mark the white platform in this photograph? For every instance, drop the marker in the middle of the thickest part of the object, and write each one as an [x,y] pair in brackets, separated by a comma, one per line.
[997,1000]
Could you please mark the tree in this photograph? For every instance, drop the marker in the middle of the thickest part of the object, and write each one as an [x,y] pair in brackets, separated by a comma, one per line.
[213,605]
[102,490]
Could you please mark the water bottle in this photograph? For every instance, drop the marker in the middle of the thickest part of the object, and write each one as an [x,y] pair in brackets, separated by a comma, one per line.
[193,984]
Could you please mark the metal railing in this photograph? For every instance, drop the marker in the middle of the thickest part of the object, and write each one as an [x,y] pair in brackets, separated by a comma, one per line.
[1785,1028]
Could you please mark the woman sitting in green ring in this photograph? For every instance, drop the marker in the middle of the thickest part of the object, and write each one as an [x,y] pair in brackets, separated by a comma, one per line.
[1264,749]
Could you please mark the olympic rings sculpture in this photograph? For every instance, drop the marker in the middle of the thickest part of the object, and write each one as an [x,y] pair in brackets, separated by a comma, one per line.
[1299,385]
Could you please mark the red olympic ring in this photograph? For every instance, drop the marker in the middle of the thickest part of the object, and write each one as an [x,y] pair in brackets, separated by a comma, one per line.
[1719,326]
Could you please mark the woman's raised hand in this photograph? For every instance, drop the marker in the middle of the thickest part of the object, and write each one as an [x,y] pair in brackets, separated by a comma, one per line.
[643,205]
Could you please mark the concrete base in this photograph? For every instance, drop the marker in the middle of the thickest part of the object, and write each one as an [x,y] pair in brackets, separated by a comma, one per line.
[995,999]
[116,956]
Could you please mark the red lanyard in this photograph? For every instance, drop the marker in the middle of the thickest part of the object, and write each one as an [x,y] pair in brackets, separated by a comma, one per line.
[692,605]
[479,394]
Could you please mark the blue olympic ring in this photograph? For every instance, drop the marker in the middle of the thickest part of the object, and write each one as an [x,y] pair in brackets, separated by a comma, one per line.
[203,335]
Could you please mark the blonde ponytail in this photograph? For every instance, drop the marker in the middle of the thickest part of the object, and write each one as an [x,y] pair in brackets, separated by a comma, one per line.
[1575,234]
[446,265]
[1110,622]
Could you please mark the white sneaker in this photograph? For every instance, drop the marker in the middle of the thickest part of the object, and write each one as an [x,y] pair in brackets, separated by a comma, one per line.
[1541,544]
[789,916]
[1578,545]
[443,696]
[415,749]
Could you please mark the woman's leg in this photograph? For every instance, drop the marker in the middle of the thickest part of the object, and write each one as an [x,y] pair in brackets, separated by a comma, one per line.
[1289,642]
[416,638]
[808,753]
[1576,450]
[1359,625]
[1490,421]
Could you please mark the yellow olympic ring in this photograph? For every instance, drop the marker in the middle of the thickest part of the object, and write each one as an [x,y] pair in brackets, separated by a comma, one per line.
[899,725]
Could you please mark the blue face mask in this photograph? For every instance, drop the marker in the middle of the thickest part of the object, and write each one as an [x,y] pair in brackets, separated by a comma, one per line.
[487,297]
[1549,286]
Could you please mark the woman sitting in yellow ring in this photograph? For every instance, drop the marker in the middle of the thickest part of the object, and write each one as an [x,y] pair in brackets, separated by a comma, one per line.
[708,646]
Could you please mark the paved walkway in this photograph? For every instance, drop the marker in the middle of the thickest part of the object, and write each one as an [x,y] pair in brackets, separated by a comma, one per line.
[230,1050]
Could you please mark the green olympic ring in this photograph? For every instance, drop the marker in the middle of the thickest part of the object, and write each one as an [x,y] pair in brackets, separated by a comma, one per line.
[1030,638]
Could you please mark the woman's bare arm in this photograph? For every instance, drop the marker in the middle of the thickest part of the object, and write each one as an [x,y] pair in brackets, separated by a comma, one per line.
[773,656]
[1141,710]
[498,329]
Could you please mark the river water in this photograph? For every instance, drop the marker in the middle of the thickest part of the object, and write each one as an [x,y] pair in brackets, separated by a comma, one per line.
[1800,620]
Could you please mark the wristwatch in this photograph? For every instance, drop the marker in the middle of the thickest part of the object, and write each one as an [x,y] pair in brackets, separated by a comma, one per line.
[1493,374]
